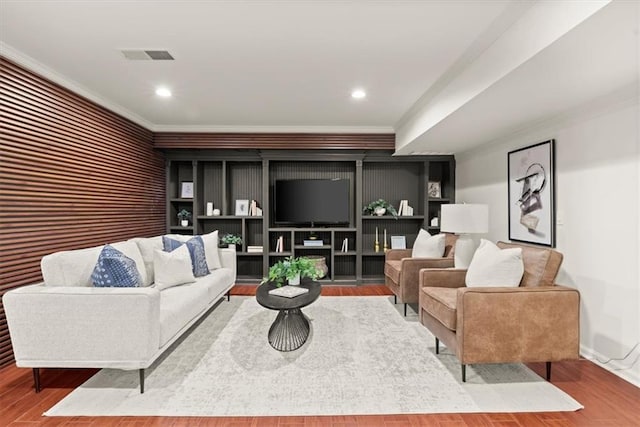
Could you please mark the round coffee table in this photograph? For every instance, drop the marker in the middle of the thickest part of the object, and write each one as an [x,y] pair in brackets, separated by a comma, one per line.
[290,330]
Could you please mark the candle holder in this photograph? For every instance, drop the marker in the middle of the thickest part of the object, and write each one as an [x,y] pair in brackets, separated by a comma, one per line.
[376,246]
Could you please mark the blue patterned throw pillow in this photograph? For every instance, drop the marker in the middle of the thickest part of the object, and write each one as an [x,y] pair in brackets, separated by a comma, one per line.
[115,269]
[196,250]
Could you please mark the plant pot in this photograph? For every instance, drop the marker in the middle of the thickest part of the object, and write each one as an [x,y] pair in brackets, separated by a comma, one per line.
[295,281]
[321,265]
[184,222]
[231,247]
[380,211]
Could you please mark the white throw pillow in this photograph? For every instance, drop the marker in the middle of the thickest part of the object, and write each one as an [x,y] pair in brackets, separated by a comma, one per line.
[428,246]
[492,266]
[211,250]
[172,268]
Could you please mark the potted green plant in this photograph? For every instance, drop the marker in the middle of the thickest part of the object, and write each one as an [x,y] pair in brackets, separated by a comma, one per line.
[231,240]
[291,270]
[380,207]
[184,216]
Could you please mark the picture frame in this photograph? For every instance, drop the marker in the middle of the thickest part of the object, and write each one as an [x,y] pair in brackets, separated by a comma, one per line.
[531,194]
[434,190]
[242,207]
[186,190]
[398,242]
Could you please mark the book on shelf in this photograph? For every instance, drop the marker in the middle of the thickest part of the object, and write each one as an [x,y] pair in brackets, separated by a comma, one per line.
[313,243]
[345,245]
[254,210]
[288,291]
[254,249]
[280,244]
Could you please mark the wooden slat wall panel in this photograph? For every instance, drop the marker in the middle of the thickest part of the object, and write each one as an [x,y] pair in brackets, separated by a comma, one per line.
[72,175]
[286,141]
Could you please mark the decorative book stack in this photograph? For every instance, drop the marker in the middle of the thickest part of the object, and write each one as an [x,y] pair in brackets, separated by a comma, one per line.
[254,249]
[288,291]
[404,209]
[315,243]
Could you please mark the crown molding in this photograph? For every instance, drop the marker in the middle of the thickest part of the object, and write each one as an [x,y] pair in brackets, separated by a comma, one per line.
[273,129]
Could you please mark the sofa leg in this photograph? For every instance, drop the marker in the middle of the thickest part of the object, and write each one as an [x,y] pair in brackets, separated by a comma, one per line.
[464,373]
[228,295]
[36,379]
[548,371]
[141,372]
[437,346]
[395,299]
[405,309]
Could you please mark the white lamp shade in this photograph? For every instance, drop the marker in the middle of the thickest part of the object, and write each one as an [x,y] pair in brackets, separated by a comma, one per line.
[465,218]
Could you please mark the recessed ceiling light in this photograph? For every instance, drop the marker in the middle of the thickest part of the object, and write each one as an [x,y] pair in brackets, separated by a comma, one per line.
[163,92]
[358,94]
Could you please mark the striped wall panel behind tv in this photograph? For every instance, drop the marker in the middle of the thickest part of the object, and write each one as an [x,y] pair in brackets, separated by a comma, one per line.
[72,175]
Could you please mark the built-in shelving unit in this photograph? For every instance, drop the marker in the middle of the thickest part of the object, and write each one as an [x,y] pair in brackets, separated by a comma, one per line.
[221,177]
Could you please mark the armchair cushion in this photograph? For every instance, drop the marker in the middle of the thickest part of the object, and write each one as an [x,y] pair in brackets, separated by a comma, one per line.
[541,265]
[392,269]
[428,246]
[492,266]
[441,304]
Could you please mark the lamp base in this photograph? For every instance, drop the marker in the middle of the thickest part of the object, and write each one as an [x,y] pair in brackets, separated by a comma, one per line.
[465,248]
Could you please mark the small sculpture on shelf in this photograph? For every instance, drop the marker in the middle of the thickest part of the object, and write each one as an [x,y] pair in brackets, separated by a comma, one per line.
[184,216]
[380,207]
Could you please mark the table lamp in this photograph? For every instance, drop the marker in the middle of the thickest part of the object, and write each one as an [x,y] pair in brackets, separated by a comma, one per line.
[464,219]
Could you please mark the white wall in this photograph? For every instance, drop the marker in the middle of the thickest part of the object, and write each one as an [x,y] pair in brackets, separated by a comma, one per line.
[598,231]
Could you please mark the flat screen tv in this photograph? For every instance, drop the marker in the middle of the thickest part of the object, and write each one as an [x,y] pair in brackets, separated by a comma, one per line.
[312,201]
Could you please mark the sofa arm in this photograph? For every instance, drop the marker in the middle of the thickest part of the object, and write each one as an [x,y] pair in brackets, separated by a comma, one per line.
[443,277]
[83,326]
[523,324]
[397,254]
[228,260]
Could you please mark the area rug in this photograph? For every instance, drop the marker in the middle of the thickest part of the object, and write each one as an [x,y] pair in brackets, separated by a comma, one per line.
[362,357]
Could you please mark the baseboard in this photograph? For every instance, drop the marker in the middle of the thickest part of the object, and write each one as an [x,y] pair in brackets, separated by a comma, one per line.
[614,366]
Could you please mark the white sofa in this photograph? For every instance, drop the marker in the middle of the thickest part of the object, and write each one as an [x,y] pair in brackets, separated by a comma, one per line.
[65,322]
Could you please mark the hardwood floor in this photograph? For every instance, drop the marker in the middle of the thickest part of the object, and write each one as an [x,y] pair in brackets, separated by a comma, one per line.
[608,400]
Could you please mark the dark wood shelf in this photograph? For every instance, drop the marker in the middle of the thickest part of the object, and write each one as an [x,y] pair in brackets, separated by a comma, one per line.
[222,177]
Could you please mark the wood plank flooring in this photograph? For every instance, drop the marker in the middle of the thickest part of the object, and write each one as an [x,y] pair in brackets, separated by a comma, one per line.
[608,400]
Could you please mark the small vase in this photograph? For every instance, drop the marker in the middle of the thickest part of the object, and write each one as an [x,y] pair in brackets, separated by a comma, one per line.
[380,211]
[295,281]
[184,223]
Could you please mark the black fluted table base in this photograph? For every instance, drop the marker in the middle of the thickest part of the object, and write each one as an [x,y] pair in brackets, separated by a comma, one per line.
[289,331]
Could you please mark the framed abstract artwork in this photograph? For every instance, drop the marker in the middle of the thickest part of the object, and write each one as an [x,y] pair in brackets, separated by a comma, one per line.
[531,194]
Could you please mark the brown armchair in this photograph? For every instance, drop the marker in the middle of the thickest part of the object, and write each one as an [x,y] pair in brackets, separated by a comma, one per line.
[535,322]
[401,271]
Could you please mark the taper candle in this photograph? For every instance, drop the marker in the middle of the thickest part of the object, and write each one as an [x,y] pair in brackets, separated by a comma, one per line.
[385,237]
[376,234]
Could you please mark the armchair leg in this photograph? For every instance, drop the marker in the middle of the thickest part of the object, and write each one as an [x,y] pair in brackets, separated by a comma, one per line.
[464,373]
[395,299]
[36,379]
[405,309]
[437,346]
[141,372]
[548,371]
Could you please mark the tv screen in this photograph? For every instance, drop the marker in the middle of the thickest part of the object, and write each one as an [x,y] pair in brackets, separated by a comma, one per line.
[312,201]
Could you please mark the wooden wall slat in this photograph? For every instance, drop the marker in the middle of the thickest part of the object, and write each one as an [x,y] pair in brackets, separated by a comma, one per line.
[276,141]
[72,175]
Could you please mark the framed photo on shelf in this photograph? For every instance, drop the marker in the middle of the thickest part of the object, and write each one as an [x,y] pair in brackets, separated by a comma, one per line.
[398,242]
[433,190]
[531,194]
[242,207]
[186,190]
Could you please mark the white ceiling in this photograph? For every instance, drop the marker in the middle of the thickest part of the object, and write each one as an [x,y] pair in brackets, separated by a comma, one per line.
[290,65]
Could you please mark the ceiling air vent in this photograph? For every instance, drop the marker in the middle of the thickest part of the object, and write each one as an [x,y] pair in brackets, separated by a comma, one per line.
[147,55]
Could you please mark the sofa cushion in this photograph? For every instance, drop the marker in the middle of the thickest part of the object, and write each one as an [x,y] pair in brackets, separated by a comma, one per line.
[211,251]
[428,246]
[195,245]
[492,266]
[74,268]
[217,282]
[173,268]
[115,269]
[147,246]
[441,304]
[178,306]
[392,270]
